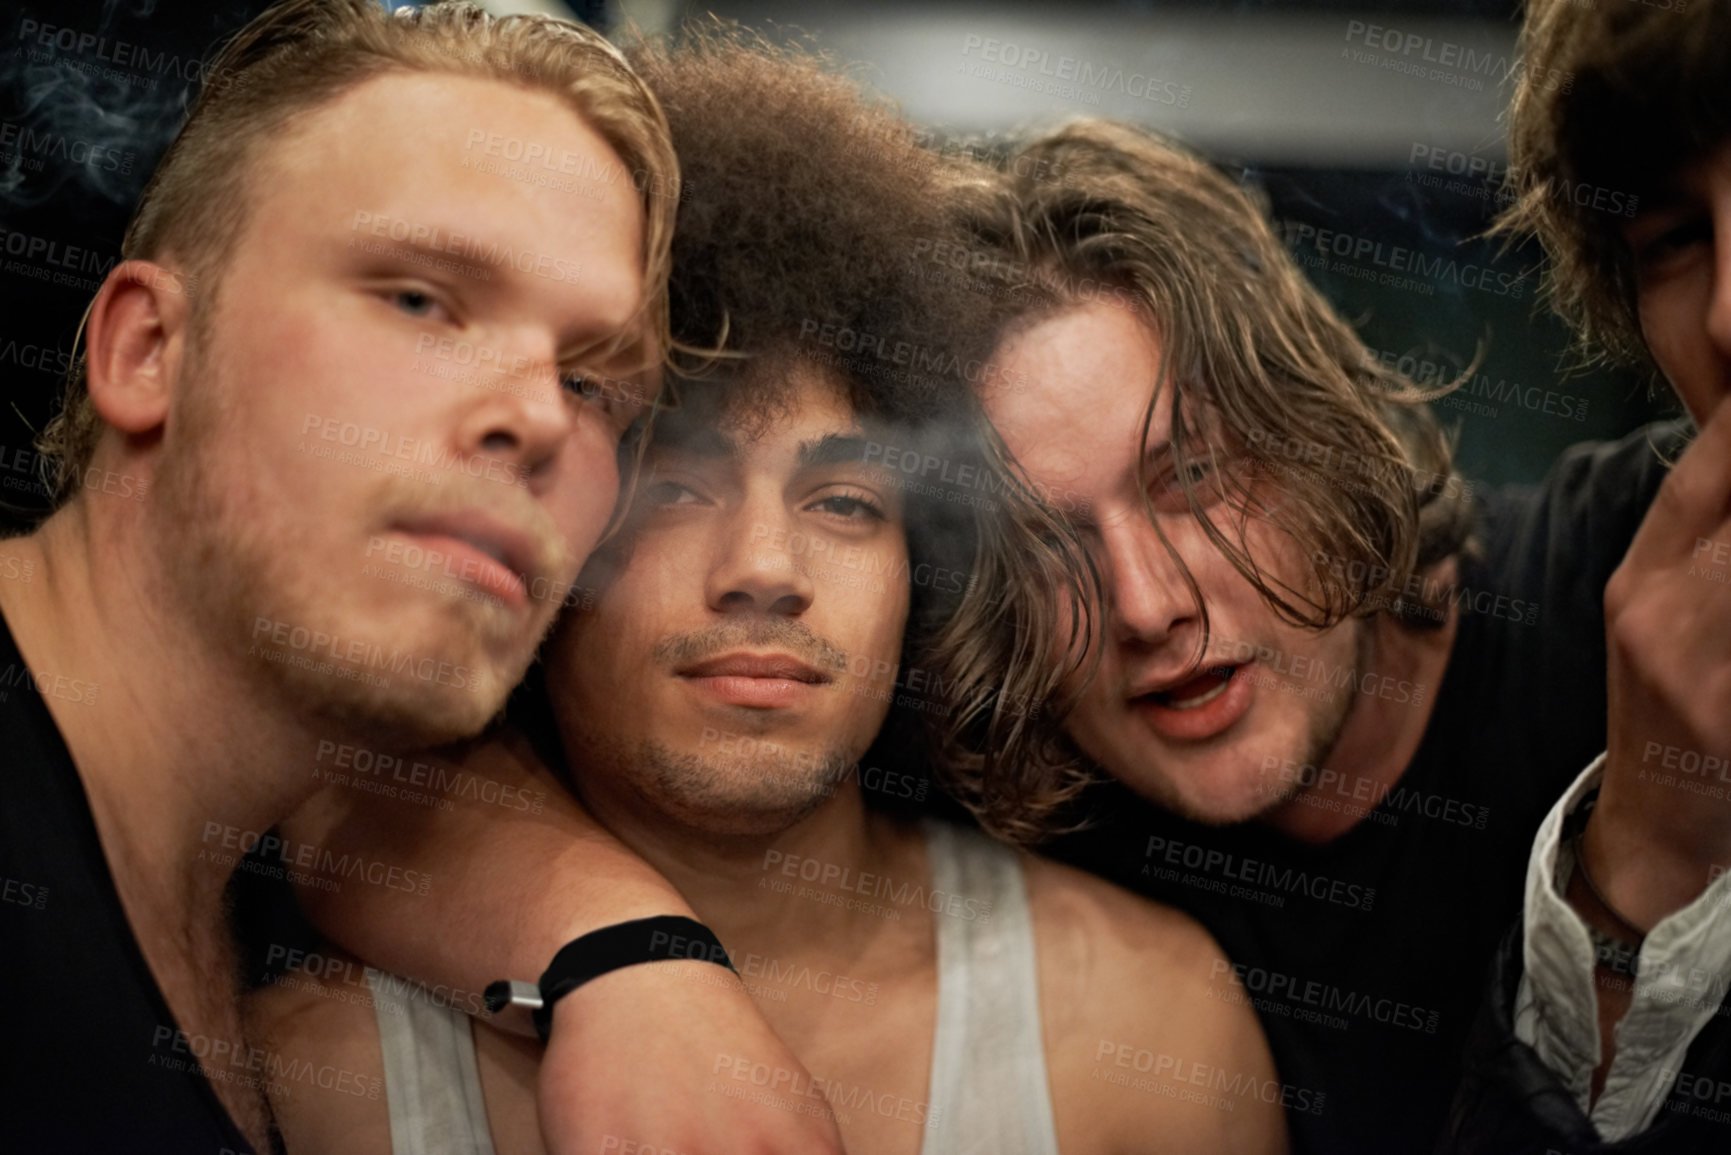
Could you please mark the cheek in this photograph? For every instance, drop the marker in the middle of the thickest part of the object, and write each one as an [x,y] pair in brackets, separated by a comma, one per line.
[1675,332]
[590,493]
[594,658]
[889,612]
[1282,559]
[1071,629]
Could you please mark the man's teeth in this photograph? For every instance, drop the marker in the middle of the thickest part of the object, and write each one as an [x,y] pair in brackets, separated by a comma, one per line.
[1171,703]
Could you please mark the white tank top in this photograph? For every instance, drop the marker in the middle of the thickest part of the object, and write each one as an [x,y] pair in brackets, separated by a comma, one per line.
[988,1092]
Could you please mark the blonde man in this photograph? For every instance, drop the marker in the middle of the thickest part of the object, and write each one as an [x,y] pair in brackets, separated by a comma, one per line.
[249,431]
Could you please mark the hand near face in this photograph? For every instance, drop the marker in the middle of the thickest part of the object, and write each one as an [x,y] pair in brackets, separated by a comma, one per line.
[1664,815]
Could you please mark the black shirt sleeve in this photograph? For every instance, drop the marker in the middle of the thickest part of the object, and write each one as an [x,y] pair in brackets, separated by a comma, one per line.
[1509,1102]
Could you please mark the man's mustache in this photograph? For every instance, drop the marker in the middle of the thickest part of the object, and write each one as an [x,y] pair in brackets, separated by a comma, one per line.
[783,633]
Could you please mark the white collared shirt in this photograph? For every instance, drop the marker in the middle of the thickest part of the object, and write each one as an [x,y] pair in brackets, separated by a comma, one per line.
[1685,966]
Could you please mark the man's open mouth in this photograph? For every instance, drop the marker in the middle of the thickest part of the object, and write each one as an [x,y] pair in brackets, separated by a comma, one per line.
[1198,691]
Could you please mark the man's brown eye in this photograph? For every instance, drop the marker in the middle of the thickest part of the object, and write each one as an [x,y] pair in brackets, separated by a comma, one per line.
[1674,240]
[852,507]
[414,302]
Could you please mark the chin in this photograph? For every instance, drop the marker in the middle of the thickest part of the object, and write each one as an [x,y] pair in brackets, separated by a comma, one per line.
[1230,807]
[405,711]
[728,796]
[1202,793]
[418,678]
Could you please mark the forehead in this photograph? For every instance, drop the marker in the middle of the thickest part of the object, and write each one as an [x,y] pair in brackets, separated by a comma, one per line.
[1700,177]
[767,416]
[408,149]
[1085,379]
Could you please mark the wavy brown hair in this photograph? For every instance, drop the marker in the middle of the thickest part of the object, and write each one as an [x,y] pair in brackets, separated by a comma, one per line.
[1612,97]
[302,54]
[1255,361]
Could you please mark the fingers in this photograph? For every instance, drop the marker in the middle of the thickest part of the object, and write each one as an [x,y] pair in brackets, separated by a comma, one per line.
[1693,503]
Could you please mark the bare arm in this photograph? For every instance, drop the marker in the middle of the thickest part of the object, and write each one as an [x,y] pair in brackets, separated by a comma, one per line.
[488,883]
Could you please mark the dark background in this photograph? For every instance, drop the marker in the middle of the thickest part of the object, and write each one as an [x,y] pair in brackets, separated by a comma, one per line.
[1272,91]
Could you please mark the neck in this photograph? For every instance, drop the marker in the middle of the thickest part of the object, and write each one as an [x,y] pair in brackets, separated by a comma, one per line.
[1380,734]
[179,746]
[765,888]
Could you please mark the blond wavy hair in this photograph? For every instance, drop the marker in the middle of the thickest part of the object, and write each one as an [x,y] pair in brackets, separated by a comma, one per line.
[302,54]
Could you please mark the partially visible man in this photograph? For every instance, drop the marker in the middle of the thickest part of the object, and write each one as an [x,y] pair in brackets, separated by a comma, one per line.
[1631,862]
[248,428]
[1338,687]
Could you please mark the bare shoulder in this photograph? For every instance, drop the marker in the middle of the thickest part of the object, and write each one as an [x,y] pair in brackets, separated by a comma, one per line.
[1145,1034]
[316,1049]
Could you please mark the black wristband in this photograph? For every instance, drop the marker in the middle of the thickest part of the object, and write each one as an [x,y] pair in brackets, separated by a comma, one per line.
[665,937]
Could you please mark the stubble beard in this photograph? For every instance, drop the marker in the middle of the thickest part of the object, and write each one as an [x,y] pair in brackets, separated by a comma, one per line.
[228,565]
[1324,731]
[718,795]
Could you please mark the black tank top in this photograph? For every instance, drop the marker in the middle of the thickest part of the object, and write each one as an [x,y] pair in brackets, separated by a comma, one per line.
[91,1058]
